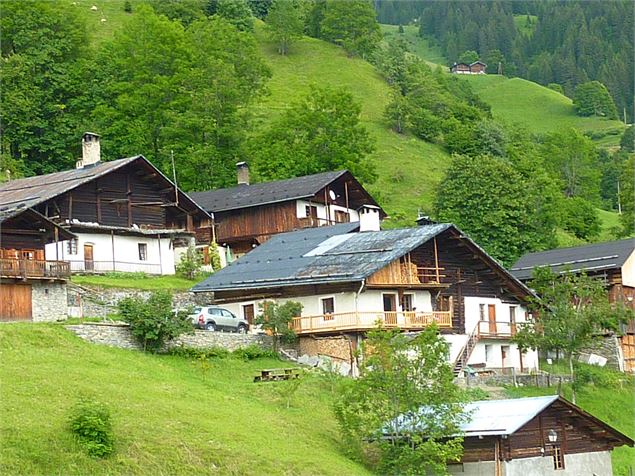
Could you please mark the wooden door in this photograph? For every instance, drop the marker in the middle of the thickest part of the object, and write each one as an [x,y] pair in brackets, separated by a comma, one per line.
[628,349]
[491,314]
[15,302]
[390,309]
[504,354]
[248,314]
[89,264]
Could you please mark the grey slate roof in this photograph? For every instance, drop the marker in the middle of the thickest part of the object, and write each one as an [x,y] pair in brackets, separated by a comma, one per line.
[319,255]
[595,257]
[244,196]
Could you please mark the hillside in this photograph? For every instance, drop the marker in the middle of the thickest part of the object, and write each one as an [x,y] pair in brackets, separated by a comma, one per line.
[519,101]
[170,415]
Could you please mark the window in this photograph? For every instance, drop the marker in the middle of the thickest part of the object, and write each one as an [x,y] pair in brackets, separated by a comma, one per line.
[558,457]
[310,211]
[488,353]
[71,246]
[512,314]
[407,303]
[481,312]
[143,252]
[328,308]
[341,217]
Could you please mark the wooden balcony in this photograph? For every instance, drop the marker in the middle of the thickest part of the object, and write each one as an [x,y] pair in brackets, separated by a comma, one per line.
[496,329]
[34,268]
[362,321]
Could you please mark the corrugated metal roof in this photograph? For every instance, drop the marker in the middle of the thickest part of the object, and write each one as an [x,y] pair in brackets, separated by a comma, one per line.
[289,259]
[30,191]
[595,257]
[243,196]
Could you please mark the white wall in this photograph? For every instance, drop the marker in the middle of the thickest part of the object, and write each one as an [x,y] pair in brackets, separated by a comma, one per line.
[628,271]
[160,255]
[489,352]
[322,211]
[472,312]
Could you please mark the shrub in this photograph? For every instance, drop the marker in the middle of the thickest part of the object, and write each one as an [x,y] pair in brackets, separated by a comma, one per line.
[190,263]
[253,352]
[193,353]
[90,424]
[276,319]
[152,321]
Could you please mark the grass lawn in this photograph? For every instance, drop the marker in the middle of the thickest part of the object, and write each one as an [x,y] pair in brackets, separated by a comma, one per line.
[423,47]
[170,416]
[614,404]
[409,169]
[521,24]
[136,281]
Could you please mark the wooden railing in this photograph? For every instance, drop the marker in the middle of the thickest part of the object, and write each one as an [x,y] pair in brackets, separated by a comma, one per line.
[496,329]
[31,268]
[355,321]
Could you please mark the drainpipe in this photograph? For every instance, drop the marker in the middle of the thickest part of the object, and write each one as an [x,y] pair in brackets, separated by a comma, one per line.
[359,291]
[160,260]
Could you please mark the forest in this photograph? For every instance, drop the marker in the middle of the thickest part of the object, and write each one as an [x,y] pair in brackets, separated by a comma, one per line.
[179,78]
[561,42]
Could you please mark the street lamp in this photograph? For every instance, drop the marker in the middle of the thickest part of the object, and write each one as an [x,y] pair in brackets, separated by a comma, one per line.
[552,436]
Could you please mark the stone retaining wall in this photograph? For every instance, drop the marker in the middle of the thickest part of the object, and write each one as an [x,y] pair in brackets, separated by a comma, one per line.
[118,335]
[48,301]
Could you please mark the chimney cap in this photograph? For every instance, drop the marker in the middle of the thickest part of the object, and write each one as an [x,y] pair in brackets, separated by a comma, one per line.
[93,134]
[242,164]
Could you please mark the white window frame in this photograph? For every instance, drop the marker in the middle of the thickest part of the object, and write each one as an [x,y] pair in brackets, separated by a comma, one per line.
[321,302]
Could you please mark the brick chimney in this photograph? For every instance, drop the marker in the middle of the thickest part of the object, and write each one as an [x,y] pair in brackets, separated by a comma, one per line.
[242,173]
[91,152]
[369,218]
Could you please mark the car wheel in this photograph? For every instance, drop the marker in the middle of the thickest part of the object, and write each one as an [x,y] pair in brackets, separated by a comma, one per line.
[242,330]
[210,326]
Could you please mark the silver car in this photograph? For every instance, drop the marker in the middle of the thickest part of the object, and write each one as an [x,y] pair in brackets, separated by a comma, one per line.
[215,318]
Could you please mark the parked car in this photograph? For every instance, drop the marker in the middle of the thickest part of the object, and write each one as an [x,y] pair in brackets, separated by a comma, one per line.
[215,318]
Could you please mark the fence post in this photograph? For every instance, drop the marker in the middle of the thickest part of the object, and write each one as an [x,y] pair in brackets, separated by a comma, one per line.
[514,377]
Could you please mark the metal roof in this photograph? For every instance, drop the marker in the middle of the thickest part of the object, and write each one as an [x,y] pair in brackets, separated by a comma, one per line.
[243,196]
[319,255]
[595,257]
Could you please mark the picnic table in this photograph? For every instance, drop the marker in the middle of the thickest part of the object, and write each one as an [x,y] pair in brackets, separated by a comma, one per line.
[272,375]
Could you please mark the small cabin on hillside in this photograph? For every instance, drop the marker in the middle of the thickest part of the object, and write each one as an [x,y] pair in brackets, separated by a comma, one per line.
[348,279]
[247,215]
[124,215]
[531,436]
[613,262]
[478,67]
[31,287]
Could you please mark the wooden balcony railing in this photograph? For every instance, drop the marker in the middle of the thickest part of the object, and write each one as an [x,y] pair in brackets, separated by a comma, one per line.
[31,268]
[358,321]
[501,329]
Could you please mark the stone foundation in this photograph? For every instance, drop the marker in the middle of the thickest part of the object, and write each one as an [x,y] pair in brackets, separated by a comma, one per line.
[118,335]
[48,301]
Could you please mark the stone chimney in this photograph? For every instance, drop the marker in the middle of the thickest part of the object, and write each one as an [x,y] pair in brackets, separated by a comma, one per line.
[242,173]
[369,218]
[91,152]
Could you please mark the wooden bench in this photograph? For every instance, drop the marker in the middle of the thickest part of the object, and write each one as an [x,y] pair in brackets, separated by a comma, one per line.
[272,375]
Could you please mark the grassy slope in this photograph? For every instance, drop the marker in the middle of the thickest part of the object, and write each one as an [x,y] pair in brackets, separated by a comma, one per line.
[409,169]
[134,281]
[174,419]
[615,406]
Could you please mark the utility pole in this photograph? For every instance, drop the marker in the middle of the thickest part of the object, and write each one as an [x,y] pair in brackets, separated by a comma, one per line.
[176,190]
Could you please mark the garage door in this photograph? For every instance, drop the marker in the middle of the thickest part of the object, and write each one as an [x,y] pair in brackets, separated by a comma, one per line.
[15,302]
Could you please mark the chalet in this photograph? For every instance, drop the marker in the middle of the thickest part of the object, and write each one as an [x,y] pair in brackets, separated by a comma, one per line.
[613,262]
[124,215]
[31,287]
[347,279]
[532,436]
[249,214]
[478,67]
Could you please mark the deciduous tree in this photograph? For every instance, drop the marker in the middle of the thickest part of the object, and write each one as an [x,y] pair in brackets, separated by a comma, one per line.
[276,318]
[353,24]
[284,23]
[593,99]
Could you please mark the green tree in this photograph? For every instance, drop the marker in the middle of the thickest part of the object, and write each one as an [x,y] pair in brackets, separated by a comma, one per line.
[593,99]
[43,48]
[184,11]
[556,87]
[277,318]
[152,321]
[409,377]
[580,218]
[491,201]
[284,23]
[627,197]
[320,133]
[353,24]
[627,142]
[189,266]
[260,8]
[468,57]
[314,14]
[573,312]
[236,12]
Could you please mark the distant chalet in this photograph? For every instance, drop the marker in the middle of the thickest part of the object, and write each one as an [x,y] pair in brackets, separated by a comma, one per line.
[478,67]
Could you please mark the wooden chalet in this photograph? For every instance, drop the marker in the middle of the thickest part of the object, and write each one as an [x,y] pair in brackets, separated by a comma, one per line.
[613,262]
[124,215]
[26,277]
[347,280]
[249,214]
[534,436]
[478,67]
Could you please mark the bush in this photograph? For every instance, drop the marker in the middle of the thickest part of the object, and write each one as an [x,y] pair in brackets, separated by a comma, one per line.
[253,352]
[152,321]
[189,266]
[90,424]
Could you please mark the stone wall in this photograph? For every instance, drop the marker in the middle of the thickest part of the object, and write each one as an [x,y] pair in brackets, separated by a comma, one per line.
[118,335]
[93,301]
[609,348]
[48,301]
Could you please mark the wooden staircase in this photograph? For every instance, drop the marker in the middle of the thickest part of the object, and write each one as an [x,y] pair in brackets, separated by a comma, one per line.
[464,355]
